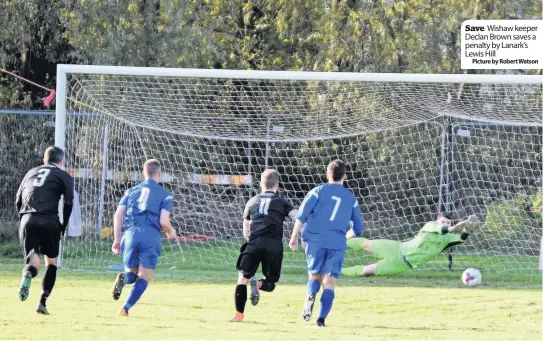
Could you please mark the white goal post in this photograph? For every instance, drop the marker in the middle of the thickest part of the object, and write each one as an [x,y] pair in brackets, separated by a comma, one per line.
[415,144]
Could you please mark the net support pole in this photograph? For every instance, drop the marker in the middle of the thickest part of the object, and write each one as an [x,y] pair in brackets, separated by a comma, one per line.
[60,116]
[442,168]
[60,128]
[267,143]
[249,155]
[103,177]
[449,186]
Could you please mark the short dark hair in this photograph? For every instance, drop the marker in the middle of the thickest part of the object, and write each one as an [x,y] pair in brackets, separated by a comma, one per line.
[53,154]
[269,178]
[151,167]
[336,169]
[444,215]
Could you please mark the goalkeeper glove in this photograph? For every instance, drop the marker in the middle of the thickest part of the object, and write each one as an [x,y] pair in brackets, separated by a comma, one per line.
[466,226]
[459,226]
[472,224]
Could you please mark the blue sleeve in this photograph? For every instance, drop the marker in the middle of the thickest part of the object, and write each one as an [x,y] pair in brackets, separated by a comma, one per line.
[167,203]
[124,199]
[356,218]
[308,205]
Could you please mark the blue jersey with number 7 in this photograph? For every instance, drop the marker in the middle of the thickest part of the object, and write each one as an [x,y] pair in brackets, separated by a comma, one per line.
[143,205]
[327,211]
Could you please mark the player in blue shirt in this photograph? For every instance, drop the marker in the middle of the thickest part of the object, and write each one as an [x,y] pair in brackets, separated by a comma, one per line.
[326,211]
[147,207]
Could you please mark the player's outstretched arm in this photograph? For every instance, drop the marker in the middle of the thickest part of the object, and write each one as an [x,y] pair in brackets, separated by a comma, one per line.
[357,222]
[166,224]
[246,223]
[309,203]
[19,196]
[19,199]
[293,214]
[247,218]
[68,202]
[117,226]
[293,244]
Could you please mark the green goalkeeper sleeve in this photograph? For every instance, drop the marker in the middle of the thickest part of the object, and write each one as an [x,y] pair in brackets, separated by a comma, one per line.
[356,243]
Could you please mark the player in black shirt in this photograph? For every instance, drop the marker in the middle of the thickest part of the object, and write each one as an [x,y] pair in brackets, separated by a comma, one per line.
[263,229]
[40,229]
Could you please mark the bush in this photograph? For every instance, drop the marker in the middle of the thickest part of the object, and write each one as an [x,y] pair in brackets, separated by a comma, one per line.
[9,232]
[9,240]
[515,220]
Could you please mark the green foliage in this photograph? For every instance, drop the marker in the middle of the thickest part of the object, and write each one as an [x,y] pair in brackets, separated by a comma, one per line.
[9,232]
[537,204]
[9,240]
[335,35]
[510,220]
[23,139]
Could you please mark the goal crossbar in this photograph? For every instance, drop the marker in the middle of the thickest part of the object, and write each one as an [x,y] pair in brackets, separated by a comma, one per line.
[296,75]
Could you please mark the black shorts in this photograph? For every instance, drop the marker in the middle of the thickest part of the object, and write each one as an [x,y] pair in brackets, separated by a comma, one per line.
[265,251]
[39,234]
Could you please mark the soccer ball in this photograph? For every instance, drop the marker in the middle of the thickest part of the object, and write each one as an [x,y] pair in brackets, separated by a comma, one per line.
[471,277]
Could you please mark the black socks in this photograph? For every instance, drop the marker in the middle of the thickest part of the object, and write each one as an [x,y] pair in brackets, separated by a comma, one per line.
[241,297]
[32,270]
[48,282]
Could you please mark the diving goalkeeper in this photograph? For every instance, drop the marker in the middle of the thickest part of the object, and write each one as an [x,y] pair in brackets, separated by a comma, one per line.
[397,257]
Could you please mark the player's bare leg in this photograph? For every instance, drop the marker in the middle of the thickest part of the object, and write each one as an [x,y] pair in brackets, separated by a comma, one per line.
[359,270]
[240,297]
[48,282]
[307,311]
[128,277]
[140,285]
[29,271]
[369,270]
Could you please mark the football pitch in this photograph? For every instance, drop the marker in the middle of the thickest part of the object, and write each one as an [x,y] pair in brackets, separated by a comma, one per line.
[191,304]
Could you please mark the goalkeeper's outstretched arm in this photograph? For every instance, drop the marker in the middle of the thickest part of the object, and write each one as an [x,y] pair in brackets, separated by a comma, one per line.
[465,227]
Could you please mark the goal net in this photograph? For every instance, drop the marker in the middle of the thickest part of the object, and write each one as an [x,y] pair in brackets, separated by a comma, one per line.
[414,145]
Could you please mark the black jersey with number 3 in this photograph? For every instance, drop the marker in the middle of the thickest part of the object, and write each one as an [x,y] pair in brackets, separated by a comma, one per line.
[267,213]
[41,189]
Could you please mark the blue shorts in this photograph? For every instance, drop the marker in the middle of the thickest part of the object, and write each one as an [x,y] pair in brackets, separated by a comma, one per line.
[141,246]
[324,261]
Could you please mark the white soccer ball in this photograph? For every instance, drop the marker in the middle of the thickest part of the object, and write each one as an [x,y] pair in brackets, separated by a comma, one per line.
[471,277]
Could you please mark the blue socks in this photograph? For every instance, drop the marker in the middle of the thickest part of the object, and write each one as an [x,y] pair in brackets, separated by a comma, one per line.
[327,299]
[129,277]
[313,287]
[136,292]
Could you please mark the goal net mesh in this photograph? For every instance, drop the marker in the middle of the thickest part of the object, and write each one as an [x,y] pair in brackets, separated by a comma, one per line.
[412,150]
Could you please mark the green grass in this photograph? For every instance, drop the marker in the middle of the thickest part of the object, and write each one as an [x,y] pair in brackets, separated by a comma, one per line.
[221,256]
[195,304]
[186,302]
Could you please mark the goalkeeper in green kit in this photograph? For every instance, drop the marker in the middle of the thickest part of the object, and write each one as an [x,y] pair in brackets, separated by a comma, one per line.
[397,257]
